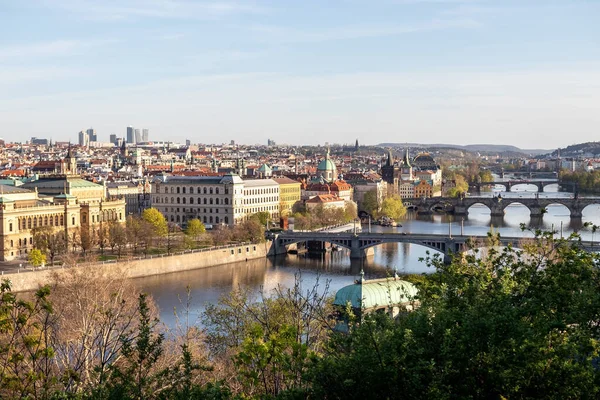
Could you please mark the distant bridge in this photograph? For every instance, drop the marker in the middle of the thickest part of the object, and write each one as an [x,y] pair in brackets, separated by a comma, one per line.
[541,184]
[359,243]
[460,206]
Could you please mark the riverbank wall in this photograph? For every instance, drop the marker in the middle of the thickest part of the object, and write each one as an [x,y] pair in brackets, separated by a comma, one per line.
[28,280]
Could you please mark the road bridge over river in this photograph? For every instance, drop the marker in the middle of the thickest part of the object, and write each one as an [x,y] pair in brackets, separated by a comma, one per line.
[460,206]
[359,243]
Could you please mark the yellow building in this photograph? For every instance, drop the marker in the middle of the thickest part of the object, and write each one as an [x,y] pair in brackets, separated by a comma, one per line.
[423,189]
[65,203]
[289,194]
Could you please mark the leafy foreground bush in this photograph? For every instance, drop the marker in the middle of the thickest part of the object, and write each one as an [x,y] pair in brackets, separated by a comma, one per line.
[511,324]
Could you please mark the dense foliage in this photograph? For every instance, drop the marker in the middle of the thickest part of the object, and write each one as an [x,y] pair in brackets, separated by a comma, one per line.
[321,216]
[586,181]
[495,323]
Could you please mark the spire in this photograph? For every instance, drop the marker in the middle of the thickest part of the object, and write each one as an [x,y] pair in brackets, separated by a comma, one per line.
[69,155]
[406,160]
[362,275]
[390,159]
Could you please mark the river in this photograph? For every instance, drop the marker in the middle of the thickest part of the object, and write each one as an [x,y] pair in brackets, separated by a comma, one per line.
[208,284]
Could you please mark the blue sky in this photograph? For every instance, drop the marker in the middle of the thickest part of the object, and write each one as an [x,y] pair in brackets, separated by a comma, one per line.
[520,72]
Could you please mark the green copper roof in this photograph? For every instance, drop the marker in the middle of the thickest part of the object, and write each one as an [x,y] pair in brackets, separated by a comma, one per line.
[5,200]
[265,168]
[64,196]
[376,293]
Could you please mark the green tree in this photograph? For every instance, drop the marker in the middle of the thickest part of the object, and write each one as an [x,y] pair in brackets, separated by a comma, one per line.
[117,237]
[509,324]
[392,207]
[263,217]
[370,203]
[134,377]
[26,355]
[36,257]
[486,175]
[49,241]
[250,230]
[195,228]
[156,220]
[461,186]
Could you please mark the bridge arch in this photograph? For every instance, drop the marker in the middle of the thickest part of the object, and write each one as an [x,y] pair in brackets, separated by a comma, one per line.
[479,203]
[592,205]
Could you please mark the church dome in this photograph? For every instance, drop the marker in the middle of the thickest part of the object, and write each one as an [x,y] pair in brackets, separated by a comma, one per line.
[424,158]
[327,169]
[326,165]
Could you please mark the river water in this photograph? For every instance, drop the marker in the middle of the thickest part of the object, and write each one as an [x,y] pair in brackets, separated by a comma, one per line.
[208,284]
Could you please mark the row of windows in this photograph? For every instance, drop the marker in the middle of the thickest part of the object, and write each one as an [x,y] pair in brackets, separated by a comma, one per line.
[260,200]
[34,222]
[182,200]
[199,190]
[22,242]
[205,219]
[210,210]
[240,250]
[251,192]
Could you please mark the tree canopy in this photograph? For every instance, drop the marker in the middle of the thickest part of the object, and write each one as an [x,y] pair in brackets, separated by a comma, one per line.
[392,207]
[510,324]
[370,203]
[156,220]
[195,228]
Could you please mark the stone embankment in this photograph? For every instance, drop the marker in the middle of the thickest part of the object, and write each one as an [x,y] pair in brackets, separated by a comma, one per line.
[27,279]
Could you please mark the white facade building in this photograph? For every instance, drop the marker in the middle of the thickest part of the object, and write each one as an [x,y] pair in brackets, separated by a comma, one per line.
[223,200]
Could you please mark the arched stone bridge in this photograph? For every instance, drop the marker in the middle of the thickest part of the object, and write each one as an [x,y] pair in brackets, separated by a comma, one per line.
[541,184]
[497,205]
[358,243]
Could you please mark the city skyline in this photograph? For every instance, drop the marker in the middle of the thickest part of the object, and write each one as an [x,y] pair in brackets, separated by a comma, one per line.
[431,71]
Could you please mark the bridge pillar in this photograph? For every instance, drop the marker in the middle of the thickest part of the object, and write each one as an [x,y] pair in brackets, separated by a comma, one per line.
[461,210]
[540,187]
[355,251]
[508,186]
[576,211]
[424,211]
[536,211]
[447,259]
[276,247]
[496,211]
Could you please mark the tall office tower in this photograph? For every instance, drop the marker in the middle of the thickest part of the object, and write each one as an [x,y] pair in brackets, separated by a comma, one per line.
[92,137]
[130,137]
[145,134]
[84,139]
[138,136]
[113,138]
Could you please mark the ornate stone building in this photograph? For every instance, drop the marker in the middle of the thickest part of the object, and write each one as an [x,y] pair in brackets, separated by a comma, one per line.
[65,203]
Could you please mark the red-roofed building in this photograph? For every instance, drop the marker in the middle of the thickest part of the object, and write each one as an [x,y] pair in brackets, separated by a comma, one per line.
[326,201]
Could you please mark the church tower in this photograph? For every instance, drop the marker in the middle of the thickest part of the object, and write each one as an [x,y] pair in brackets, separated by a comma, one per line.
[68,165]
[406,170]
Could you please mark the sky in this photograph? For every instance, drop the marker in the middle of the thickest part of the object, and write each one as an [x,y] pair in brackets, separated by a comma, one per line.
[518,72]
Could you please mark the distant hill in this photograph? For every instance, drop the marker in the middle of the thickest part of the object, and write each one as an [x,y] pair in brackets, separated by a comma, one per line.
[482,148]
[588,149]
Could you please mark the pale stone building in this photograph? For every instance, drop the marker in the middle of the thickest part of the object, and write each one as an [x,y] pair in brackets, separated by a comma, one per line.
[223,200]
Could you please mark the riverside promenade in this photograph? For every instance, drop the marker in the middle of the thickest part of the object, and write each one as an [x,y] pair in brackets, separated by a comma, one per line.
[28,279]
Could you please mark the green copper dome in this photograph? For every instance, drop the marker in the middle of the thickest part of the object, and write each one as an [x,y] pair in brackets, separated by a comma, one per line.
[376,293]
[326,165]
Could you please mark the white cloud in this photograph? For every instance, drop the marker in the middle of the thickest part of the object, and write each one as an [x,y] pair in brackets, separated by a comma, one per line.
[167,9]
[53,48]
[280,34]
